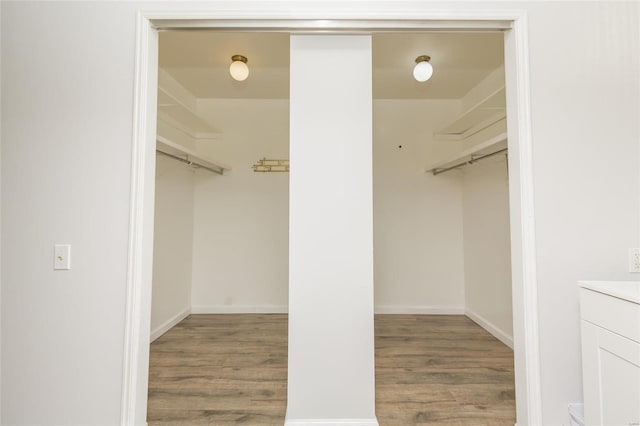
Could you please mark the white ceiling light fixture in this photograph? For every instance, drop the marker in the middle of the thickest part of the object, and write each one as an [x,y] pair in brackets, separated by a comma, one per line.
[238,68]
[423,69]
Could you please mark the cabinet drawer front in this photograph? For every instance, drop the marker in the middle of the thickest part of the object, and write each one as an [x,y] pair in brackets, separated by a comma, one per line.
[620,316]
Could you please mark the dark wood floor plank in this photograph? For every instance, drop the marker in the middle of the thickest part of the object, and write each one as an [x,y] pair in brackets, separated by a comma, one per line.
[232,370]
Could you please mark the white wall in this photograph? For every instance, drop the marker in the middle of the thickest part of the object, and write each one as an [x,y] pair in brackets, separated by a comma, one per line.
[587,171]
[424,262]
[67,85]
[487,248]
[331,348]
[172,244]
[418,245]
[241,219]
[67,98]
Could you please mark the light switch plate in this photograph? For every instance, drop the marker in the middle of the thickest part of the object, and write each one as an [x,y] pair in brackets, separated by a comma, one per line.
[62,256]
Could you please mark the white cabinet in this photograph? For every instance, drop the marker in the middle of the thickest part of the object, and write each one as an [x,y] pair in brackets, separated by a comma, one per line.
[610,324]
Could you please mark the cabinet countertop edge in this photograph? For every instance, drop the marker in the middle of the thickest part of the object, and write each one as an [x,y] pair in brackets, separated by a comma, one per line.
[627,290]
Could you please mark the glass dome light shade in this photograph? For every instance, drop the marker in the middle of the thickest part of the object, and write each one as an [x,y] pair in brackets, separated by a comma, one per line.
[423,69]
[238,68]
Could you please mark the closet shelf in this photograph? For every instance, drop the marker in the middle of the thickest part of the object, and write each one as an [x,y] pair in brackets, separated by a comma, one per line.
[484,113]
[181,153]
[493,146]
[178,108]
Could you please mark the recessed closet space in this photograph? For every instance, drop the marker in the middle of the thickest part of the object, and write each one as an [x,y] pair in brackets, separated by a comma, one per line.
[221,227]
[441,252]
[441,230]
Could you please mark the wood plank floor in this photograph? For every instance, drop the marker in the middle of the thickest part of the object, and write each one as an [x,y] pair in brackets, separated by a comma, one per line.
[220,370]
[441,370]
[232,369]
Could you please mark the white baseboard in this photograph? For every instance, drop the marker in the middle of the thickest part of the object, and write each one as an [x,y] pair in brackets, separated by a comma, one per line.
[332,422]
[419,310]
[495,331]
[239,309]
[283,309]
[169,324]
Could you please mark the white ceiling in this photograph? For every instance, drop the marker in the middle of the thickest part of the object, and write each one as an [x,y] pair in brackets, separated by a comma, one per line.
[199,60]
[460,61]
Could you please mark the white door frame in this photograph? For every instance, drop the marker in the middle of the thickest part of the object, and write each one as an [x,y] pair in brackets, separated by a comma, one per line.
[347,16]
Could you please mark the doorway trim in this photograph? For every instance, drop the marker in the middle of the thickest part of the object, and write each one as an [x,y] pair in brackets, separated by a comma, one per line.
[344,17]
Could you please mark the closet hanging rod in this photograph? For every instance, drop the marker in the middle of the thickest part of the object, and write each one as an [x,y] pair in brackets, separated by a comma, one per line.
[474,158]
[188,161]
[183,154]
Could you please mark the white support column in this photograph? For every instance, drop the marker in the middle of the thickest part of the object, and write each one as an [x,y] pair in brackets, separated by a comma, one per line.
[331,338]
